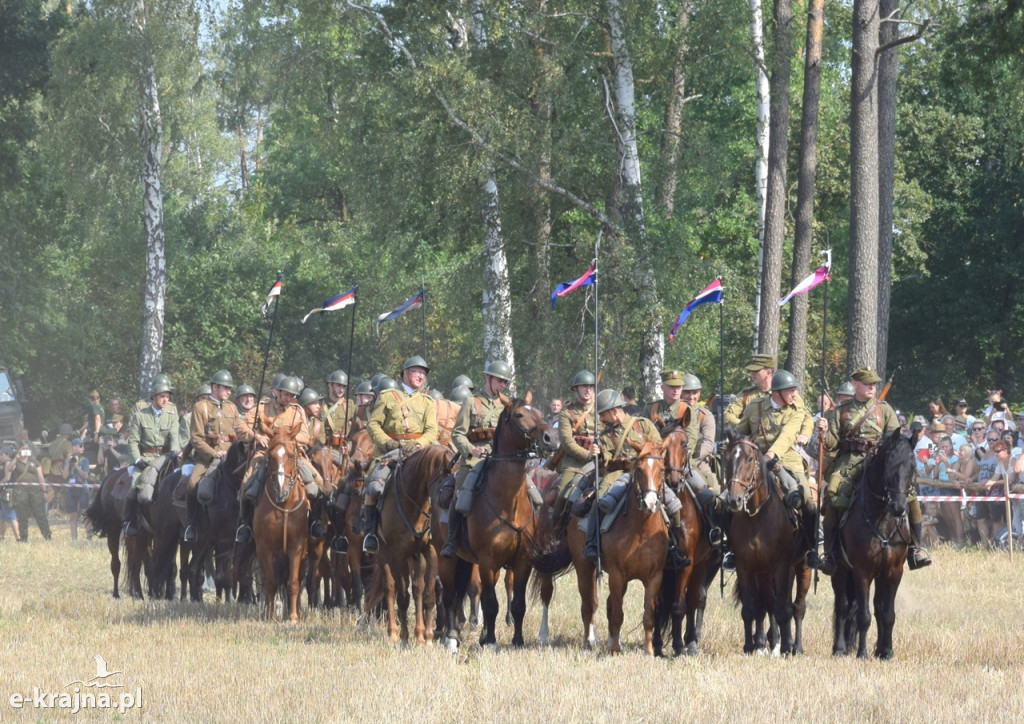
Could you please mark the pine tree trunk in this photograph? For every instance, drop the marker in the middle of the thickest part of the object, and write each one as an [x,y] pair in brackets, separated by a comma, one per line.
[862,342]
[778,151]
[761,159]
[652,341]
[151,140]
[673,124]
[888,68]
[803,239]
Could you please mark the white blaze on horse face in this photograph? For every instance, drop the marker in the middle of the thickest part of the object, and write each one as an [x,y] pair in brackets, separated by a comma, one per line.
[280,466]
[651,496]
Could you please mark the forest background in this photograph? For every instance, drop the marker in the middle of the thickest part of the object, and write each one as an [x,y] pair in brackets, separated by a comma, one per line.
[479,150]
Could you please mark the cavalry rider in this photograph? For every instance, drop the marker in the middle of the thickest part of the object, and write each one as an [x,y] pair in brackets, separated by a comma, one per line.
[282,412]
[762,370]
[402,420]
[152,438]
[774,422]
[702,431]
[463,381]
[245,398]
[447,414]
[211,431]
[853,429]
[615,451]
[576,434]
[473,437]
[313,403]
[339,414]
[364,403]
[203,392]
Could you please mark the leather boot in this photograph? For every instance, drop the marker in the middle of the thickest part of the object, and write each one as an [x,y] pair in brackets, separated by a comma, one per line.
[456,524]
[676,559]
[592,552]
[190,535]
[829,563]
[371,519]
[917,556]
[244,532]
[339,544]
[809,520]
[131,513]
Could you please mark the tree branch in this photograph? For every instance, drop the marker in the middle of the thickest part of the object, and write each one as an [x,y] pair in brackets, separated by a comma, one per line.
[475,135]
[922,28]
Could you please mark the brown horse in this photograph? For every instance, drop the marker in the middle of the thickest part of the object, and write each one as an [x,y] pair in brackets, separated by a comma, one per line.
[281,521]
[319,573]
[347,566]
[874,540]
[684,592]
[106,523]
[769,552]
[499,524]
[406,556]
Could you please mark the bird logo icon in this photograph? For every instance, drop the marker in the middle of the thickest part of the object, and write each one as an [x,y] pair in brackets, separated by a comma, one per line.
[101,675]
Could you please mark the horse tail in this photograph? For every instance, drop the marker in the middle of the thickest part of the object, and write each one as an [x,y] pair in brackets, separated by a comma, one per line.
[374,593]
[549,553]
[103,518]
[666,600]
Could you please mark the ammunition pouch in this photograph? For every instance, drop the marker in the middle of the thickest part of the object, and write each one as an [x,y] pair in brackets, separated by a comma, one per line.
[619,464]
[481,434]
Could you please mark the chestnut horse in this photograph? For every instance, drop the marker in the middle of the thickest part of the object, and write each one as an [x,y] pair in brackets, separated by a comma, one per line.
[874,540]
[280,525]
[498,526]
[406,556]
[769,552]
[684,592]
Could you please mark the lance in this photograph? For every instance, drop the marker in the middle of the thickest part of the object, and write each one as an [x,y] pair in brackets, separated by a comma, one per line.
[824,396]
[263,371]
[597,434]
[348,367]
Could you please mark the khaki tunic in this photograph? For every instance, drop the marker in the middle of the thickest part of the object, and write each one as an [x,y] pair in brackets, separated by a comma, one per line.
[636,430]
[152,431]
[211,430]
[477,418]
[879,423]
[774,430]
[405,418]
[732,414]
[336,419]
[570,433]
[662,412]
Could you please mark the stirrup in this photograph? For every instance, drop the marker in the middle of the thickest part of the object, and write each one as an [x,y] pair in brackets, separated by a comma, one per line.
[918,558]
[813,560]
[129,528]
[339,544]
[827,565]
[370,543]
[676,560]
[243,534]
[316,530]
[729,562]
[716,537]
[451,548]
[189,536]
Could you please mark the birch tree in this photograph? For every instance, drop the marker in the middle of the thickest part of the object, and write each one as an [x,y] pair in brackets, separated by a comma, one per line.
[761,144]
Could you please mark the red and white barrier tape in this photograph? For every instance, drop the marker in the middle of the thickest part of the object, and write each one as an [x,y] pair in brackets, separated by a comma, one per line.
[966,498]
[54,485]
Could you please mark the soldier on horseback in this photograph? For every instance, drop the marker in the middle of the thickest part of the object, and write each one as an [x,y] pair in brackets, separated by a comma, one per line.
[274,415]
[152,439]
[852,430]
[339,415]
[211,434]
[762,371]
[576,435]
[403,421]
[775,422]
[473,437]
[621,437]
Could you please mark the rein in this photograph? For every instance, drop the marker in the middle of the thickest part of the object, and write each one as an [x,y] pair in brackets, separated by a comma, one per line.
[424,508]
[520,456]
[874,520]
[639,492]
[751,487]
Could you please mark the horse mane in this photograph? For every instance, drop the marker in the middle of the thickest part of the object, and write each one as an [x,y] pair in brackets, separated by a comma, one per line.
[893,461]
[649,447]
[732,438]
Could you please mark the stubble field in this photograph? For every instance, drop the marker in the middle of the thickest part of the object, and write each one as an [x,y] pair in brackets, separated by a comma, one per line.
[958,641]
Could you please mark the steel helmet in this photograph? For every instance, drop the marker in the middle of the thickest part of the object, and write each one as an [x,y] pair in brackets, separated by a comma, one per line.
[500,369]
[691,382]
[203,390]
[460,394]
[783,380]
[377,377]
[435,394]
[275,381]
[244,390]
[309,396]
[159,386]
[583,377]
[163,379]
[462,381]
[416,361]
[385,383]
[846,389]
[338,377]
[365,388]
[290,384]
[223,378]
[608,400]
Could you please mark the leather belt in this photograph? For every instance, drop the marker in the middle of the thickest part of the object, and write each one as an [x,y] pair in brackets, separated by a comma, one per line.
[218,439]
[405,435]
[153,450]
[856,444]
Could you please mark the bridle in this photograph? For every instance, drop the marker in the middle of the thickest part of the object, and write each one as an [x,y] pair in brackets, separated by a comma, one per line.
[886,498]
[532,447]
[673,473]
[749,488]
[659,480]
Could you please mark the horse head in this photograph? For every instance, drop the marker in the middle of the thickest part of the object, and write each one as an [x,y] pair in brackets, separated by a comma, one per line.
[676,445]
[283,458]
[745,474]
[892,464]
[648,475]
[521,429]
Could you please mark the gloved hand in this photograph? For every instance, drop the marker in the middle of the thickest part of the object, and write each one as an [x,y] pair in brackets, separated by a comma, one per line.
[392,445]
[409,448]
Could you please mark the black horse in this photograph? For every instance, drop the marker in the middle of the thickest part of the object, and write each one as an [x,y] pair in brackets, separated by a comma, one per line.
[874,538]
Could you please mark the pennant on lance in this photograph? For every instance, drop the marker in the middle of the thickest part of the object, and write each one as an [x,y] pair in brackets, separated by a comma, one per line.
[413,302]
[275,291]
[589,277]
[712,293]
[820,275]
[334,303]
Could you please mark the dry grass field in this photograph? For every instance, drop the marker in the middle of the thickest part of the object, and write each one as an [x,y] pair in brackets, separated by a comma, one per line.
[958,641]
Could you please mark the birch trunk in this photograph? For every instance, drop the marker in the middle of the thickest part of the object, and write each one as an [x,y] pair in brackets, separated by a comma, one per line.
[761,160]
[862,343]
[151,140]
[778,151]
[888,68]
[796,361]
[497,296]
[652,342]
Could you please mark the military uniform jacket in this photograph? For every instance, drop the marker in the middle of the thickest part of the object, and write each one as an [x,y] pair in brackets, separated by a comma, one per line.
[402,417]
[143,404]
[733,413]
[447,414]
[663,412]
[576,454]
[212,428]
[774,429]
[701,432]
[474,426]
[336,419]
[878,423]
[151,435]
[273,416]
[637,430]
[59,451]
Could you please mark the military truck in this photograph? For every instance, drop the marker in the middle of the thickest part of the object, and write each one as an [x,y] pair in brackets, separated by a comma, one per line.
[11,397]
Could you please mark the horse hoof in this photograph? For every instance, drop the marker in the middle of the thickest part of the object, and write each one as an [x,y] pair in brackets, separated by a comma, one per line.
[777,651]
[884,655]
[491,647]
[452,644]
[692,649]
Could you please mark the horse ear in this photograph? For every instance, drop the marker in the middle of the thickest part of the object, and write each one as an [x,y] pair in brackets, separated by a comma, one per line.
[529,397]
[915,436]
[505,400]
[634,445]
[687,414]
